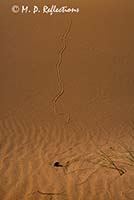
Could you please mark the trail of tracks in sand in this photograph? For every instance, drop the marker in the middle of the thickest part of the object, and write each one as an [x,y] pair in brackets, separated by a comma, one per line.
[58,65]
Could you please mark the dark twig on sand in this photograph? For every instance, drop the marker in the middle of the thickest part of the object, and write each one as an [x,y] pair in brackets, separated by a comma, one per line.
[130,152]
[107,157]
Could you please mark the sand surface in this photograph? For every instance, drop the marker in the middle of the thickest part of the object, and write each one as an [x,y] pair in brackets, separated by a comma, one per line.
[67,96]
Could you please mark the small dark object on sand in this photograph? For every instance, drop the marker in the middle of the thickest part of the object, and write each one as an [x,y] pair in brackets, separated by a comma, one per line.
[57,164]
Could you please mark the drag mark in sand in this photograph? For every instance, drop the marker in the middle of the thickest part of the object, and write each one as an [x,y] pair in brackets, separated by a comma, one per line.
[49,193]
[58,64]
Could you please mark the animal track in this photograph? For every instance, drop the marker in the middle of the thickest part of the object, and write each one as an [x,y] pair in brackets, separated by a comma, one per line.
[58,64]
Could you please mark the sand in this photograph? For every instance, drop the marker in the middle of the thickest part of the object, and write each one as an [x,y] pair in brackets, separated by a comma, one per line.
[66,102]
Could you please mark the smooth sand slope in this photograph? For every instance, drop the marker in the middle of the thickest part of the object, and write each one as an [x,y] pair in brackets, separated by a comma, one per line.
[67,103]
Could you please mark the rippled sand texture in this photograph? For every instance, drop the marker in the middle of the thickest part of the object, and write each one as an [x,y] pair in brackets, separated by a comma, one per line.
[67,85]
